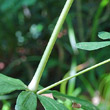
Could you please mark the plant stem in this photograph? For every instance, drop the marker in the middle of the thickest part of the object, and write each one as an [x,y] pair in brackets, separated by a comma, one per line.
[36,79]
[79,19]
[68,78]
[100,9]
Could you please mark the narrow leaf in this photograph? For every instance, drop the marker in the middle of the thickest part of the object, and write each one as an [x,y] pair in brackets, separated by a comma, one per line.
[8,84]
[104,35]
[92,45]
[84,104]
[51,104]
[26,101]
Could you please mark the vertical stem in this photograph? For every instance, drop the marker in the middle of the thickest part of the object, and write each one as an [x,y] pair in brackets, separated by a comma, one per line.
[102,5]
[79,20]
[36,79]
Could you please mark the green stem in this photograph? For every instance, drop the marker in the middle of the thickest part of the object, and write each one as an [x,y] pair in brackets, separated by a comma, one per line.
[68,78]
[102,5]
[79,19]
[36,79]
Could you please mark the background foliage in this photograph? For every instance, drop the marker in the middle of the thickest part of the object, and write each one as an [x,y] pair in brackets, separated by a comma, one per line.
[25,28]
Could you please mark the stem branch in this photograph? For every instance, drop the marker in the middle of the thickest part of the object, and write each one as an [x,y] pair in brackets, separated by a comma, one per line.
[66,79]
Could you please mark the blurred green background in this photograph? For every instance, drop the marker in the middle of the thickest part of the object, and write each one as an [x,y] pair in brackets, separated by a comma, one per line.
[25,28]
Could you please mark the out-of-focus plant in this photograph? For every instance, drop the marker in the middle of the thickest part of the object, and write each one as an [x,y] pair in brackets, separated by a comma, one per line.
[104,88]
[101,7]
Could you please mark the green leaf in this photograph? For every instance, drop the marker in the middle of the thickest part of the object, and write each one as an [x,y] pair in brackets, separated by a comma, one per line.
[51,104]
[8,84]
[84,104]
[92,45]
[104,35]
[27,100]
[10,4]
[28,2]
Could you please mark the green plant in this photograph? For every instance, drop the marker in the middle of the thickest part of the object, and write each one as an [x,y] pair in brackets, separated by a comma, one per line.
[104,89]
[95,45]
[102,5]
[27,100]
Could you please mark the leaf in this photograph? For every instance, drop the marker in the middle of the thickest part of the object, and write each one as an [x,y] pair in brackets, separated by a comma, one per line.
[28,2]
[26,101]
[104,35]
[8,84]
[10,4]
[7,4]
[84,104]
[51,104]
[92,45]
